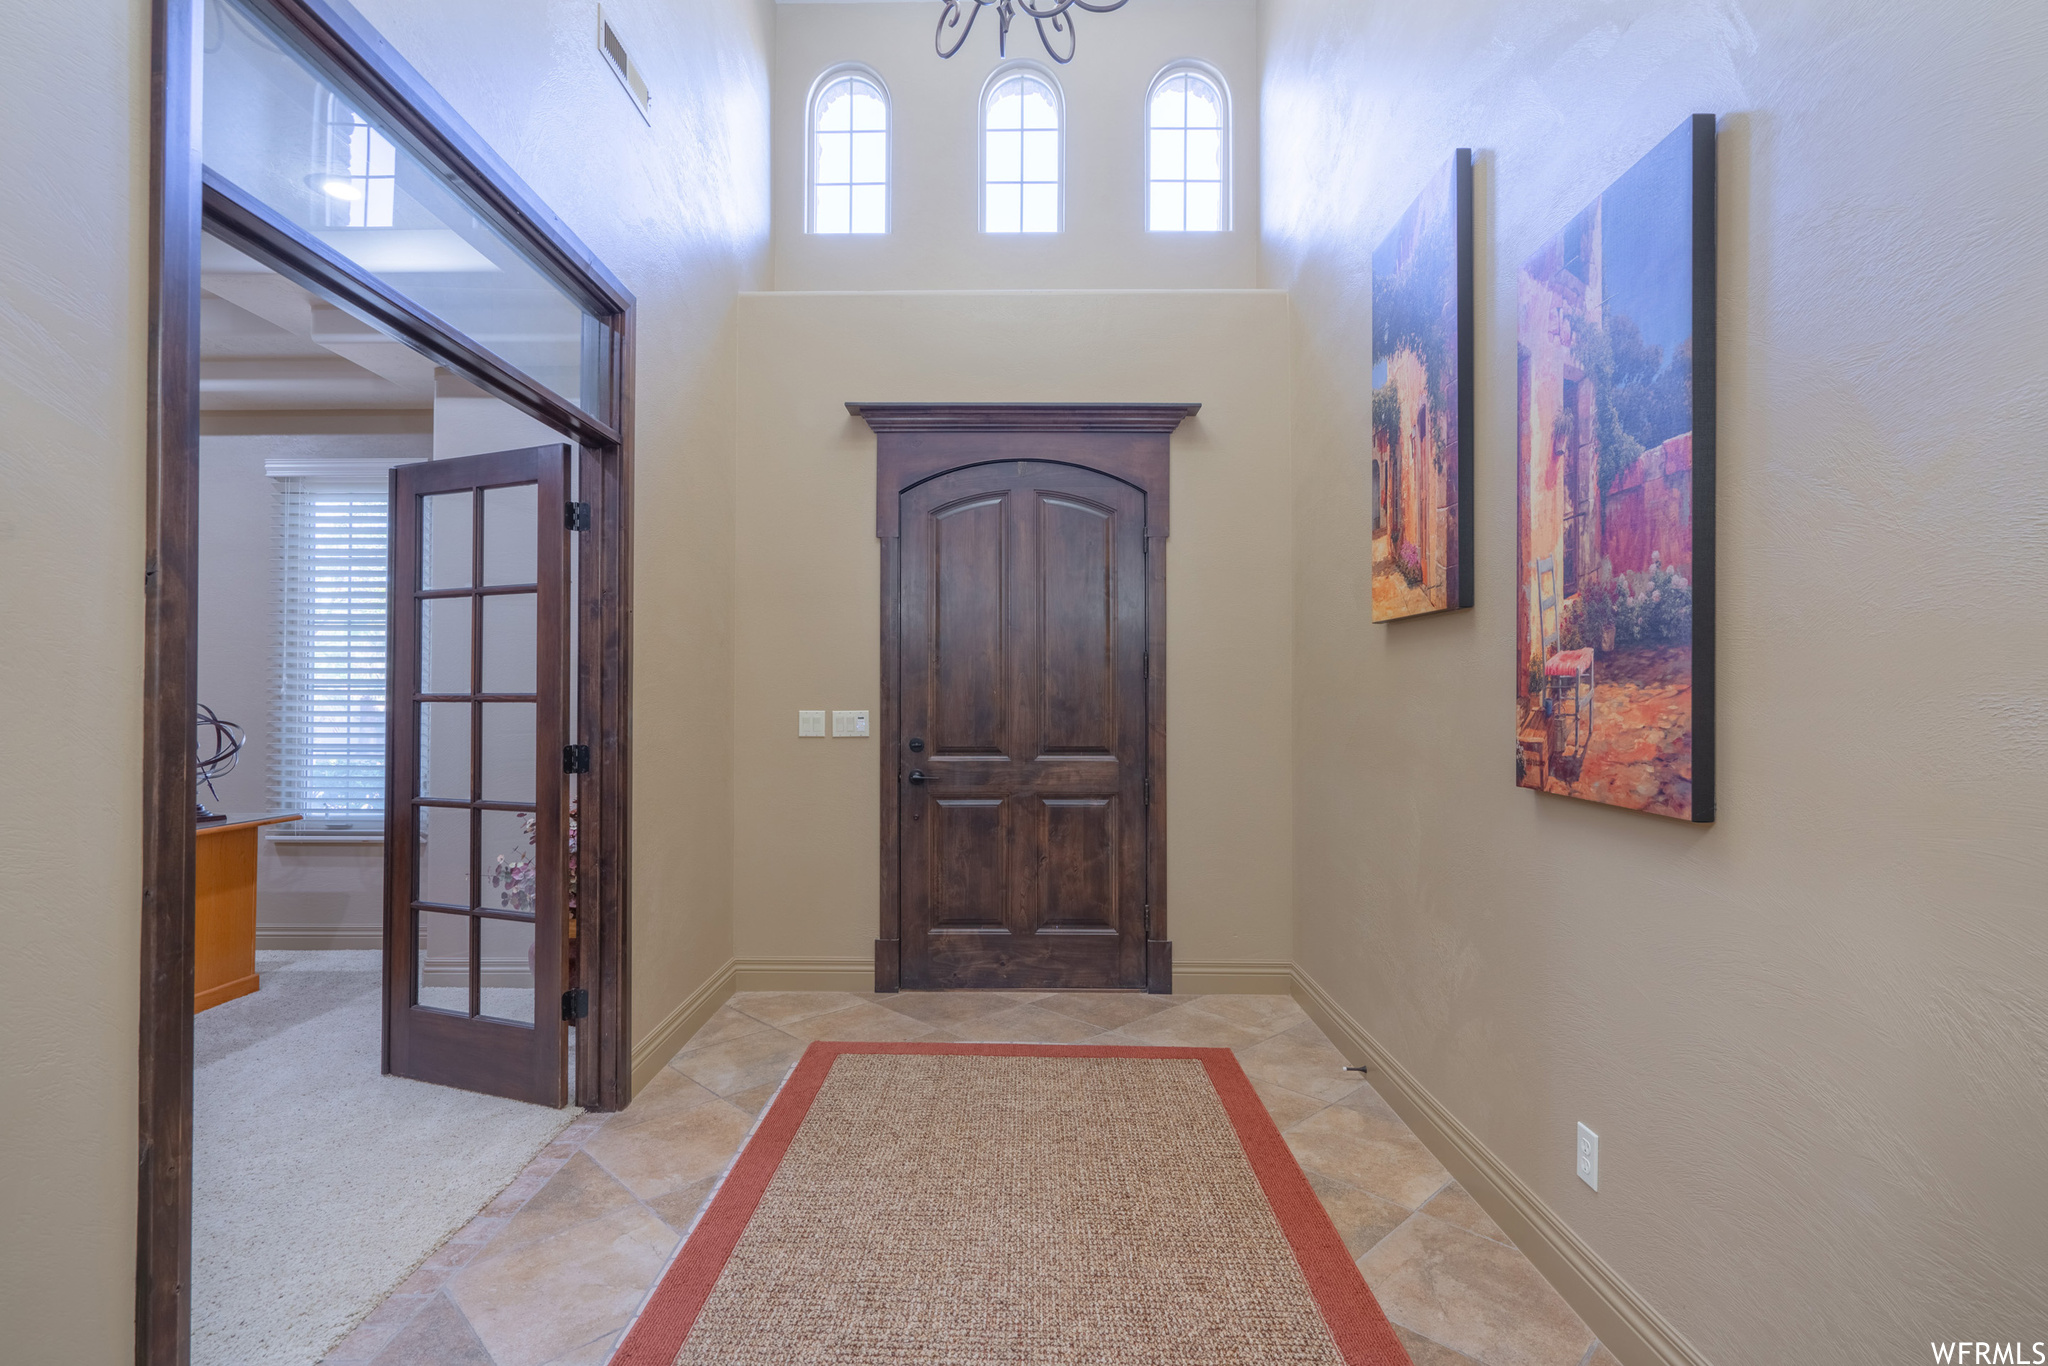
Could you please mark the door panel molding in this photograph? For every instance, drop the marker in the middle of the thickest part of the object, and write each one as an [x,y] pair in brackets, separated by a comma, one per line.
[917,442]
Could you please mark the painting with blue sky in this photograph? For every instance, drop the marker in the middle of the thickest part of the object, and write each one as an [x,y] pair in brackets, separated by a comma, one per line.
[1614,480]
[1422,401]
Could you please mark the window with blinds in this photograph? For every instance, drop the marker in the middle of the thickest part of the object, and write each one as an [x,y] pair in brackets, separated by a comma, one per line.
[328,731]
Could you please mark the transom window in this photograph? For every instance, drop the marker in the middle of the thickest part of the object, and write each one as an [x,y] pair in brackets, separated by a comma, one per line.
[1021,154]
[362,180]
[850,155]
[1187,153]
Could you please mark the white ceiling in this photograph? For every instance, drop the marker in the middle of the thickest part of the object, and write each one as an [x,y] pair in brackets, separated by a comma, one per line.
[267,344]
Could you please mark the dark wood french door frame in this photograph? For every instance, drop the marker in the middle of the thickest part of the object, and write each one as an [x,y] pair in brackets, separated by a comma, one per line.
[185,202]
[916,442]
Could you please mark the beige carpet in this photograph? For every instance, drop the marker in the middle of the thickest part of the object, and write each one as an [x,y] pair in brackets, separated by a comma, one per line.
[318,1183]
[941,1209]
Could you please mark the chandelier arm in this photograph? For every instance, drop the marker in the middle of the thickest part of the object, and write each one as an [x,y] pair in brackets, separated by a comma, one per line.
[1059,23]
[951,15]
[1059,7]
[1100,9]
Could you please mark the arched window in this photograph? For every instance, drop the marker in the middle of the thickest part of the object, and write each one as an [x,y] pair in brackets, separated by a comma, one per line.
[1187,152]
[1020,152]
[849,153]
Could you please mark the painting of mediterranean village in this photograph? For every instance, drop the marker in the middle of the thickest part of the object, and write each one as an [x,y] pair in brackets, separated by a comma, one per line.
[1606,525]
[1421,472]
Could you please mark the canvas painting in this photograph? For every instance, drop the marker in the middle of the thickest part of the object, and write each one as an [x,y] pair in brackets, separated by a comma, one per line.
[1422,402]
[1615,474]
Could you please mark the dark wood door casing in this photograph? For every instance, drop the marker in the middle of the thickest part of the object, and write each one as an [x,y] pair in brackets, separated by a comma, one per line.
[1051,784]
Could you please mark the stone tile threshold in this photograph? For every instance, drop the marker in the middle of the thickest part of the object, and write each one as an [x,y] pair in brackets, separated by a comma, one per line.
[552,1271]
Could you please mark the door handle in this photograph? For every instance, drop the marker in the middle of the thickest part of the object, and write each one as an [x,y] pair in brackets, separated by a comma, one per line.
[918,775]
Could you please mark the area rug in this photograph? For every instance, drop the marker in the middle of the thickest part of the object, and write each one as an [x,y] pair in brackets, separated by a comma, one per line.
[1013,1203]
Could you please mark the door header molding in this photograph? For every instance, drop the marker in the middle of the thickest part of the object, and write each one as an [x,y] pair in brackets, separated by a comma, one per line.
[1023,417]
[919,441]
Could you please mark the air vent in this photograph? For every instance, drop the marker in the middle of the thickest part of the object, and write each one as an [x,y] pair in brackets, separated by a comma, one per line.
[621,63]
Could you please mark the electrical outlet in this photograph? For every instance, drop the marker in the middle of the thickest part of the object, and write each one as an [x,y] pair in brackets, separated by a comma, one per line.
[853,723]
[1589,1157]
[810,725]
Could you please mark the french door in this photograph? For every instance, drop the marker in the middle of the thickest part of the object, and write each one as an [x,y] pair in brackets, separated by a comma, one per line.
[476,861]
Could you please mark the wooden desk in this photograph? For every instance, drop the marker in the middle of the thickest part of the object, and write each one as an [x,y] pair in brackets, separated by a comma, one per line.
[224,908]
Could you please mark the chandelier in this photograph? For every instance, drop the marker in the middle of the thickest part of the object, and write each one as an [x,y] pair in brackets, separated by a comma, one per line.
[1054,12]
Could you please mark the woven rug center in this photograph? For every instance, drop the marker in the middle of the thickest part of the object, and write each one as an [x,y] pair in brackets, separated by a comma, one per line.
[1013,1209]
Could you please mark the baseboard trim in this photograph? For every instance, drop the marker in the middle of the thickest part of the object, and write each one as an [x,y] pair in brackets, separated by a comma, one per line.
[320,937]
[1618,1315]
[804,974]
[1228,977]
[666,1039]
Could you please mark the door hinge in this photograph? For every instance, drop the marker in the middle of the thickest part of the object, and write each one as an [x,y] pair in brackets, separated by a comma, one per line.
[575,758]
[1148,792]
[576,517]
[1148,920]
[576,1004]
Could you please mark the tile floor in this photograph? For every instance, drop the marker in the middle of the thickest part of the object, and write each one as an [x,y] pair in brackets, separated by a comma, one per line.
[553,1270]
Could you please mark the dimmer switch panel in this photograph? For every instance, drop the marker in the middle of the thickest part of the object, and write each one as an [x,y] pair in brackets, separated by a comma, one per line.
[850,723]
[810,725]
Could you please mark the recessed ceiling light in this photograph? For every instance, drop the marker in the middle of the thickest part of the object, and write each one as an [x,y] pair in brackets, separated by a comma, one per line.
[336,187]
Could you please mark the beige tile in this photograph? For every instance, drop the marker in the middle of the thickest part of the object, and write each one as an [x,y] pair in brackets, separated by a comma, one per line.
[756,1100]
[1600,1356]
[656,1158]
[740,1064]
[590,1353]
[679,1208]
[1368,1101]
[1455,1205]
[1423,1352]
[1473,1294]
[864,1022]
[727,1023]
[1362,1219]
[534,1303]
[383,1323]
[1185,1027]
[1106,1009]
[945,1007]
[1380,1158]
[437,1336]
[1288,1108]
[581,1190]
[1023,1024]
[1267,1015]
[782,1008]
[667,1094]
[1300,1059]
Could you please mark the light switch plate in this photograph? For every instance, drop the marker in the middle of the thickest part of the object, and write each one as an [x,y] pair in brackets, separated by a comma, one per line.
[1589,1157]
[810,725]
[850,723]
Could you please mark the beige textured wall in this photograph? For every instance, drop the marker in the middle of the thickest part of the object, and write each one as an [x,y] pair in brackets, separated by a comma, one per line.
[1813,1036]
[934,241]
[678,210]
[72,277]
[808,602]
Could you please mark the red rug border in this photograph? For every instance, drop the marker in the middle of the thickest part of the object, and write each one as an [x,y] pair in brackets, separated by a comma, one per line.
[1356,1322]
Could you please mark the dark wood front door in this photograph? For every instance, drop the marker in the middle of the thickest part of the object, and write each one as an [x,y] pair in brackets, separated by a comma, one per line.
[476,867]
[1021,740]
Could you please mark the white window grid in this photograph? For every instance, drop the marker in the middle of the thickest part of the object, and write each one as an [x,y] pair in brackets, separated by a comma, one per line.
[362,179]
[1021,153]
[1187,152]
[328,721]
[849,155]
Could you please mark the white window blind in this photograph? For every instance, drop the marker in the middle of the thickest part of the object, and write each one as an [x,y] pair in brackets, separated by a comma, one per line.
[328,732]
